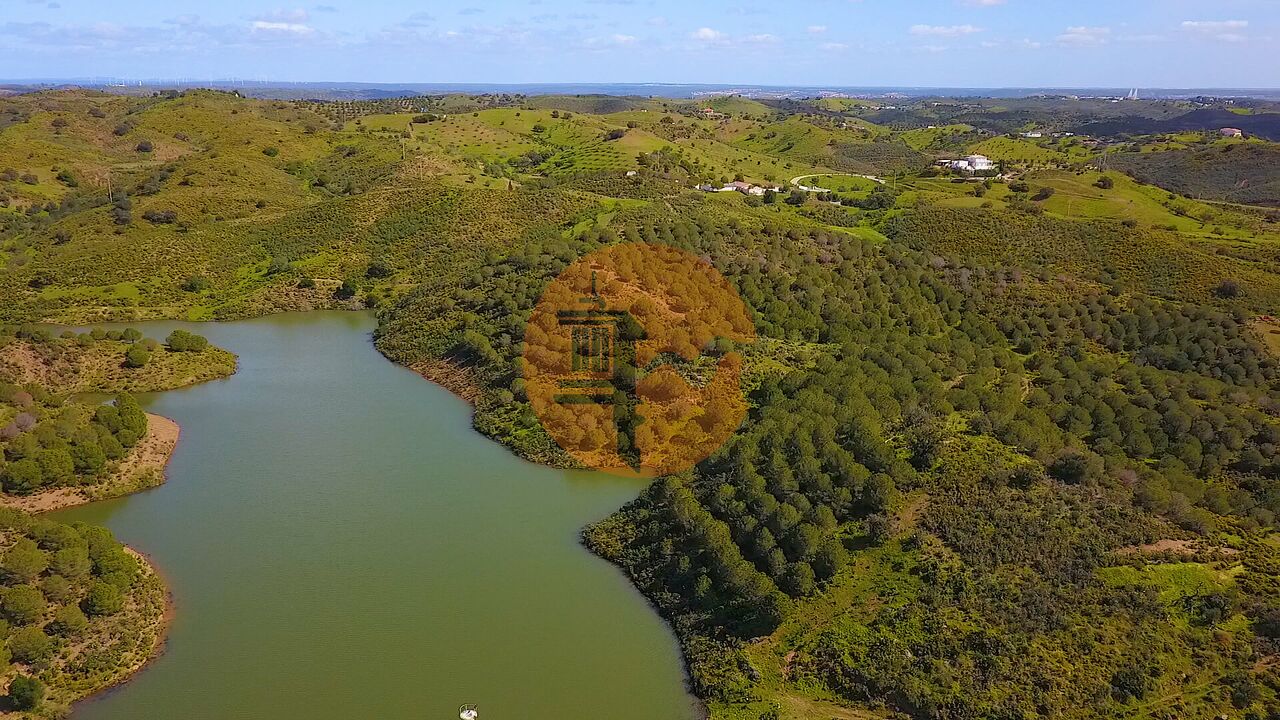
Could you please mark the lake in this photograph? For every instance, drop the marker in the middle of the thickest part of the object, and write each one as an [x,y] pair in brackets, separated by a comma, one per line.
[341,544]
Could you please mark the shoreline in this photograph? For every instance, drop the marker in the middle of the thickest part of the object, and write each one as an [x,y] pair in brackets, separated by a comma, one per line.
[158,644]
[141,469]
[458,380]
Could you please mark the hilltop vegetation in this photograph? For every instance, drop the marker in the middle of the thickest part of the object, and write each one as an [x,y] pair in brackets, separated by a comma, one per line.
[1012,443]
[1246,173]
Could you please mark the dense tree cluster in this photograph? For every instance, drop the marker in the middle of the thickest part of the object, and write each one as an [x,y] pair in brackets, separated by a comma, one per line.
[47,443]
[56,581]
[1114,415]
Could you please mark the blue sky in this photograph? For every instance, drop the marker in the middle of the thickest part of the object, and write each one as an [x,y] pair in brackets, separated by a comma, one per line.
[956,43]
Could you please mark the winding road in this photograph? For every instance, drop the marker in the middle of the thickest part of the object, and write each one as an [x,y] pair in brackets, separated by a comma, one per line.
[811,188]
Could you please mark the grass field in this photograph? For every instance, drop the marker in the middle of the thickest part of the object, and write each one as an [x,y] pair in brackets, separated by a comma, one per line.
[1018,151]
[924,137]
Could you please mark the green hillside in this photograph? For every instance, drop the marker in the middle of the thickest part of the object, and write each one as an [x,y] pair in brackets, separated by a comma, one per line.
[1247,173]
[1012,443]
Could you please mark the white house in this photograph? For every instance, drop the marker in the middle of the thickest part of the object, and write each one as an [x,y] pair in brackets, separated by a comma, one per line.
[980,163]
[973,164]
[1232,132]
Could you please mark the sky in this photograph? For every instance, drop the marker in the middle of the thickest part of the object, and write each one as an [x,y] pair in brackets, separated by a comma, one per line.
[918,43]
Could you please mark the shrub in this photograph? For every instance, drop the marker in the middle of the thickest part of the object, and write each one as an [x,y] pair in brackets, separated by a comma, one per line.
[26,692]
[183,341]
[271,151]
[1228,289]
[160,217]
[30,644]
[136,357]
[306,283]
[378,269]
[24,561]
[23,604]
[69,621]
[57,588]
[195,283]
[103,599]
[1105,182]
[278,265]
[144,147]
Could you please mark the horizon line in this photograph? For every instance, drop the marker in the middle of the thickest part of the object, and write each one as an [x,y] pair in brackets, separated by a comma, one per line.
[103,79]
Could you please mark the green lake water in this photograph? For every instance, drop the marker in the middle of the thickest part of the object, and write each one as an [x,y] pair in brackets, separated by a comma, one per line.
[341,544]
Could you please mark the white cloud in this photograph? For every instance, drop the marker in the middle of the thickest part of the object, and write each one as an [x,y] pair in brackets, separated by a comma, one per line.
[1224,30]
[1083,35]
[761,38]
[617,40]
[708,35]
[816,29]
[296,16]
[944,30]
[1215,25]
[834,46]
[282,27]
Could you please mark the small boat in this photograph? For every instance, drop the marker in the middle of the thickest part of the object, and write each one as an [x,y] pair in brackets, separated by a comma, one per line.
[468,712]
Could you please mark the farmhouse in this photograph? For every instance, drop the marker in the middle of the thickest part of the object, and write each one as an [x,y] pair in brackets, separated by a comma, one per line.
[973,164]
[1232,132]
[745,188]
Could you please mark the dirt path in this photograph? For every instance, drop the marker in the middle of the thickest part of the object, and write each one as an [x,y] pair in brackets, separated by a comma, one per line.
[141,469]
[796,180]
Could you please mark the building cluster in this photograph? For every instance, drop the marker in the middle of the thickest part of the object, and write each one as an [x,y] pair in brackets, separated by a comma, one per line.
[745,188]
